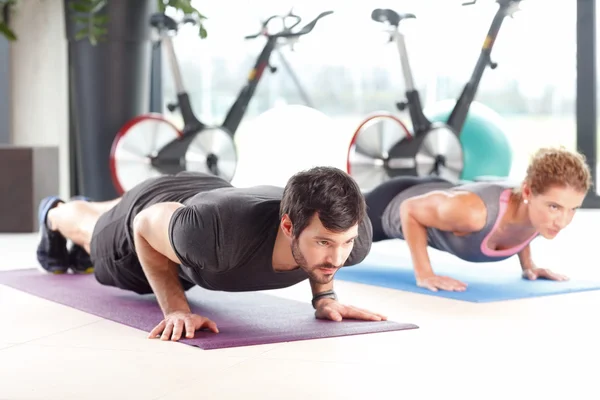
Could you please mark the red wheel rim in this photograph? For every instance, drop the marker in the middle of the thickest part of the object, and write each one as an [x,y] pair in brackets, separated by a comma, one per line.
[120,136]
[402,133]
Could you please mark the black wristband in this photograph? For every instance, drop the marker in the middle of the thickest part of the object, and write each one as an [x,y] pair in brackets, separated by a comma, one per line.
[329,294]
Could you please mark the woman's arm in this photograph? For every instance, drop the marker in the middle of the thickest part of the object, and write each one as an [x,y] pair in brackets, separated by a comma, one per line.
[531,272]
[525,258]
[454,212]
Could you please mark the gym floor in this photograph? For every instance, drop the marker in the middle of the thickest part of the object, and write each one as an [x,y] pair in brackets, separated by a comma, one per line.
[534,348]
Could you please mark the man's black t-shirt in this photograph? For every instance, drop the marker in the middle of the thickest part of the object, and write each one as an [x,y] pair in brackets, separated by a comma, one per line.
[224,236]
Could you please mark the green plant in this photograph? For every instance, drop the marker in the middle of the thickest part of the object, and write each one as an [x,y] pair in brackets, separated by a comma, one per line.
[88,13]
[4,11]
[186,7]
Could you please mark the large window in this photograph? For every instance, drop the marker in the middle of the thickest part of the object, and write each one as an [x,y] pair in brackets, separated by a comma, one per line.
[348,69]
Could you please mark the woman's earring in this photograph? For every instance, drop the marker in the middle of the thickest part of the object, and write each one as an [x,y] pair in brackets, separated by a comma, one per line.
[525,201]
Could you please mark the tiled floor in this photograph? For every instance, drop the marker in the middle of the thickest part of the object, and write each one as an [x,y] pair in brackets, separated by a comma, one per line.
[537,348]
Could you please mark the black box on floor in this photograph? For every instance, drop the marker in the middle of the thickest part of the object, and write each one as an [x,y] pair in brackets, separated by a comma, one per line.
[27,175]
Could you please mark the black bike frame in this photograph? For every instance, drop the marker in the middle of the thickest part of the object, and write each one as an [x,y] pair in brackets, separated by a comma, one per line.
[168,158]
[190,122]
[458,116]
[238,109]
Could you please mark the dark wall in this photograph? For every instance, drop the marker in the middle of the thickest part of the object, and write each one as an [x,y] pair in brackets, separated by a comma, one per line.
[5,112]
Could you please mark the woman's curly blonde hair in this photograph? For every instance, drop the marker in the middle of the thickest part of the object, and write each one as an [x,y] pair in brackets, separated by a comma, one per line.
[557,166]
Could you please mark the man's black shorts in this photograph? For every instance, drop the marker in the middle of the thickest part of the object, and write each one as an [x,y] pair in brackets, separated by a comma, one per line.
[111,248]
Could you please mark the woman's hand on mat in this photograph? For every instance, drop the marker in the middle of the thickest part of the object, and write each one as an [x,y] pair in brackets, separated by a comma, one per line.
[175,323]
[541,273]
[435,282]
[335,311]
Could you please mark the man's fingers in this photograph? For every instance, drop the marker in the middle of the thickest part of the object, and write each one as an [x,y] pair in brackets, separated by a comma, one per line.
[358,313]
[167,331]
[354,313]
[177,330]
[211,325]
[334,315]
[379,316]
[190,329]
[383,317]
[173,327]
[157,330]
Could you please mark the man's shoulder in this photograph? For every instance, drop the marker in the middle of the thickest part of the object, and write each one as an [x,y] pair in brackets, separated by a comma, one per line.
[239,206]
[239,196]
[362,244]
[228,226]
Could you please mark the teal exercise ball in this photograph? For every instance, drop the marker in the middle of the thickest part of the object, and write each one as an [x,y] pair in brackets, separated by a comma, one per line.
[486,150]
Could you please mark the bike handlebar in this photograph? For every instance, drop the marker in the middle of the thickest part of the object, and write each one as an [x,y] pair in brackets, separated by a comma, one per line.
[188,19]
[287,31]
[501,2]
[265,24]
[163,22]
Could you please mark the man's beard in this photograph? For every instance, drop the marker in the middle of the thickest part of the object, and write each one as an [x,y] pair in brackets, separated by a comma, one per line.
[313,273]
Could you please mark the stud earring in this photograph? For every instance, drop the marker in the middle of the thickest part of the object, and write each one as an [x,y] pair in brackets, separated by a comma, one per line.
[525,201]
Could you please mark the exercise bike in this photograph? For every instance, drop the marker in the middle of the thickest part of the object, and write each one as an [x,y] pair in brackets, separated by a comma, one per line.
[383,147]
[149,145]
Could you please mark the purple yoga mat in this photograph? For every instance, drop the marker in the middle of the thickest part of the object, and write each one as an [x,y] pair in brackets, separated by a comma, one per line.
[243,319]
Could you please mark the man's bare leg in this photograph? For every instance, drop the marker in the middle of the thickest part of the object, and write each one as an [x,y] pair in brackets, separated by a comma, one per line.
[75,221]
[100,206]
[104,206]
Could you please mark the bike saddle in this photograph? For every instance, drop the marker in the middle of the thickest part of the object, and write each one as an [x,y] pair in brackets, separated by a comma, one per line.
[391,16]
[162,21]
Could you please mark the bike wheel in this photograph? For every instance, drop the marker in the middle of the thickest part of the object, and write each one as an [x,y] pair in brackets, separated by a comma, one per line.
[213,151]
[369,148]
[134,145]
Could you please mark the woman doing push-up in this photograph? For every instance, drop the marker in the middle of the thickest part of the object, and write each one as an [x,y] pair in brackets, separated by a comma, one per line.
[481,221]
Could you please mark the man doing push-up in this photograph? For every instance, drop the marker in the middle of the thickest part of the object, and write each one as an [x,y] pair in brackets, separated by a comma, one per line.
[173,232]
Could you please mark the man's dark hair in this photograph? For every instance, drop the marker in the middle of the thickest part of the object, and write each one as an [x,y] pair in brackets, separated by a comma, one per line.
[330,192]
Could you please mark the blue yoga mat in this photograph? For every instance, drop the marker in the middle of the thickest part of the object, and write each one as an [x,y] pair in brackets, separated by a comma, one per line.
[485,283]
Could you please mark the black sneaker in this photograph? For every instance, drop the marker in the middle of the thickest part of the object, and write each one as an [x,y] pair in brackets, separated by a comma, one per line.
[52,251]
[79,260]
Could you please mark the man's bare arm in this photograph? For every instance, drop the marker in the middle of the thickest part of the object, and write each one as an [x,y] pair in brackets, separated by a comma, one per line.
[320,288]
[328,308]
[157,257]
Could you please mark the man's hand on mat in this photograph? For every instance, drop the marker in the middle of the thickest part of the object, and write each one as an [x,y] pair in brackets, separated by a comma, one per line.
[541,273]
[172,327]
[335,311]
[435,282]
